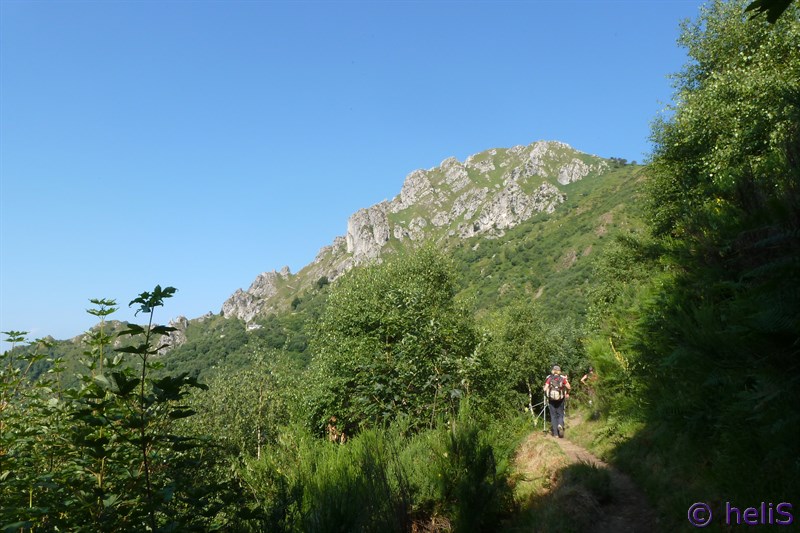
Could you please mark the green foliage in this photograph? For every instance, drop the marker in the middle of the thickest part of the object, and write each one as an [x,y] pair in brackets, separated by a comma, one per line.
[696,328]
[214,342]
[29,416]
[727,156]
[248,401]
[728,167]
[622,269]
[104,455]
[475,492]
[520,346]
[359,487]
[389,344]
[209,343]
[387,479]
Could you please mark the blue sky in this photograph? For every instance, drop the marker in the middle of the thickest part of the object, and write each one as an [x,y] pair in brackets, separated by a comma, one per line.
[197,144]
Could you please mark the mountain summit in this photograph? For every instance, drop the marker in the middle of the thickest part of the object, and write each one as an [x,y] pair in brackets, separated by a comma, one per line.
[487,194]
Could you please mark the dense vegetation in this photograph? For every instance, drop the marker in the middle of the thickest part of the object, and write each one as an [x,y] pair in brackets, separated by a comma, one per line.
[260,447]
[697,323]
[393,398]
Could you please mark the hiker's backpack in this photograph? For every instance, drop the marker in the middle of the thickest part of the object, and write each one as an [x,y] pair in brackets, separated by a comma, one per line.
[555,387]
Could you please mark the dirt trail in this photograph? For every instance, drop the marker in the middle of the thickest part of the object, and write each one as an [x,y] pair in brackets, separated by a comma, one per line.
[629,512]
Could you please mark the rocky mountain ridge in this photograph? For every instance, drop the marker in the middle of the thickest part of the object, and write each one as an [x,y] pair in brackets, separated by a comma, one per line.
[487,194]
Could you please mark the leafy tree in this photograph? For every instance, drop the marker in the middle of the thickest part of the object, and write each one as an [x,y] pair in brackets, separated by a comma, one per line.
[729,151]
[522,345]
[248,400]
[105,455]
[389,344]
[30,418]
[716,343]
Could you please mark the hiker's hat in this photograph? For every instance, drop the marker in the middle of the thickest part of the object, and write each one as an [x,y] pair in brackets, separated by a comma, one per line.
[556,367]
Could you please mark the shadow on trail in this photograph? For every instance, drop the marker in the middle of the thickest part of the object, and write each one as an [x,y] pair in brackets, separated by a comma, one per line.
[579,492]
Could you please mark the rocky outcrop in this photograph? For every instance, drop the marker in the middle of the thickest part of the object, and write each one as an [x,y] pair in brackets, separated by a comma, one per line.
[573,171]
[455,173]
[242,305]
[246,305]
[535,164]
[415,186]
[265,284]
[331,262]
[175,338]
[510,207]
[367,232]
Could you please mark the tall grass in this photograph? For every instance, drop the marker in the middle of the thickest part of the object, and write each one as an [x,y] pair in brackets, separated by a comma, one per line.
[361,486]
[453,477]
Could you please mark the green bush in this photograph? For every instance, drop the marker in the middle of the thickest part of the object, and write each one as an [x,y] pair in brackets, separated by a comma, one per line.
[390,345]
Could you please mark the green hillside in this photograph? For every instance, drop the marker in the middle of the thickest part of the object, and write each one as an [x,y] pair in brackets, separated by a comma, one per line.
[551,257]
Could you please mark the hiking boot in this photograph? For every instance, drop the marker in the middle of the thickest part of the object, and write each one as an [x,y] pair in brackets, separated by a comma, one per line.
[560,431]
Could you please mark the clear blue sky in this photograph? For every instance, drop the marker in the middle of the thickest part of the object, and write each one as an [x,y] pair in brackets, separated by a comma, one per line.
[197,144]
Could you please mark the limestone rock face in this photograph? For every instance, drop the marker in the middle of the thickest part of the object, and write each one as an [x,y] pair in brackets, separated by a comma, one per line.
[415,186]
[367,232]
[246,305]
[455,174]
[264,284]
[173,339]
[331,262]
[242,305]
[573,171]
[512,206]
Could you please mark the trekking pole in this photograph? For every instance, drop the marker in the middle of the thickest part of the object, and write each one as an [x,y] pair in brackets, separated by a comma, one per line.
[536,413]
[543,414]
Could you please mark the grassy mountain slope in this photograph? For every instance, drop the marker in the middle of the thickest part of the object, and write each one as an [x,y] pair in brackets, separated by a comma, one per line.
[550,257]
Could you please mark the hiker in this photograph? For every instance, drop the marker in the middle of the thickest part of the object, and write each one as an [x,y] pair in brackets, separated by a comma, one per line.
[555,389]
[334,434]
[588,380]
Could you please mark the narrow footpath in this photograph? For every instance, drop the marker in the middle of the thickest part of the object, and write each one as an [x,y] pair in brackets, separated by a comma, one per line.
[629,510]
[556,497]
